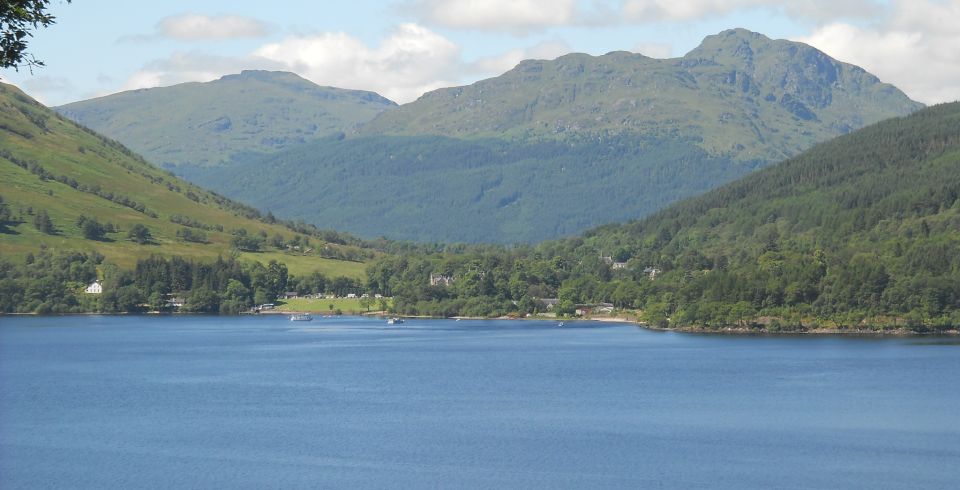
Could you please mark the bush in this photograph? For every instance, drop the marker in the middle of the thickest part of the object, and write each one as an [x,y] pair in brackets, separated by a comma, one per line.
[140,234]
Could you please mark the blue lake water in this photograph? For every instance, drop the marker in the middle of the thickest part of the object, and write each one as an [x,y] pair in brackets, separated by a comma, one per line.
[262,402]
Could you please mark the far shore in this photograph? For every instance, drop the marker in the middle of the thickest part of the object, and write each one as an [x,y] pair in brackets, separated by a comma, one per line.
[897,332]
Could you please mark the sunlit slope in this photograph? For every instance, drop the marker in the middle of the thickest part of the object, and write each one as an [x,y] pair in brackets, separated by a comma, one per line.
[51,165]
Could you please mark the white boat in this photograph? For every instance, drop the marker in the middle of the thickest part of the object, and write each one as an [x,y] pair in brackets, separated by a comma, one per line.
[395,320]
[300,317]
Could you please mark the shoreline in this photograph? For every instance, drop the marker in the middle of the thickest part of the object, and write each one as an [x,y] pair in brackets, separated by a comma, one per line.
[732,331]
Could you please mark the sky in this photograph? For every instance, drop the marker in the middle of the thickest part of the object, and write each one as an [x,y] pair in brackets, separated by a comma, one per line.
[403,48]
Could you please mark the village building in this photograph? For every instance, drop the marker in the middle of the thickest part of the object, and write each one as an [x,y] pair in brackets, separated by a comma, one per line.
[590,309]
[174,302]
[95,287]
[615,265]
[548,303]
[652,272]
[441,280]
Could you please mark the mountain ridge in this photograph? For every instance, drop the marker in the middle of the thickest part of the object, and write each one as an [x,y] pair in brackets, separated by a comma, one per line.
[735,84]
[205,123]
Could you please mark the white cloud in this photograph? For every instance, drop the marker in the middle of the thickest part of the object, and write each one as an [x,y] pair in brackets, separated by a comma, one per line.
[657,10]
[195,27]
[508,15]
[525,15]
[830,10]
[45,88]
[685,10]
[409,62]
[915,48]
[496,65]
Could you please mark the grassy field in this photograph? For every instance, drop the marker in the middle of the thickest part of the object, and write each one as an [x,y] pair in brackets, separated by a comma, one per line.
[71,166]
[349,306]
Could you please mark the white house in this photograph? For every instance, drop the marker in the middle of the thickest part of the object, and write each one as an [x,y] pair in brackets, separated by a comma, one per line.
[95,287]
[175,302]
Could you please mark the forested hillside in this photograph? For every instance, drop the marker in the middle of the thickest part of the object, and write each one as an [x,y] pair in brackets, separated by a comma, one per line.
[859,232]
[432,188]
[552,148]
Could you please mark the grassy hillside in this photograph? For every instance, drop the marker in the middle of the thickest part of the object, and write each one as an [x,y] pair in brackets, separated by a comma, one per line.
[207,123]
[860,232]
[52,167]
[553,148]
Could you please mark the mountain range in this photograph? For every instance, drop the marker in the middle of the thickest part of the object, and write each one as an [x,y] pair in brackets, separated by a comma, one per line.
[739,93]
[548,149]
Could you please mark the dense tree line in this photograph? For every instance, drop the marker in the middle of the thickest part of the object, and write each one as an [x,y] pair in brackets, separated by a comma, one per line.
[49,282]
[192,223]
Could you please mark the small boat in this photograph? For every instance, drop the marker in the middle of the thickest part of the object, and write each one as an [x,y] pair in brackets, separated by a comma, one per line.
[560,324]
[300,317]
[395,320]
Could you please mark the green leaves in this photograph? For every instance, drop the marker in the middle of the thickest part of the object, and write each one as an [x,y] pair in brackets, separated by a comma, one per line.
[17,19]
